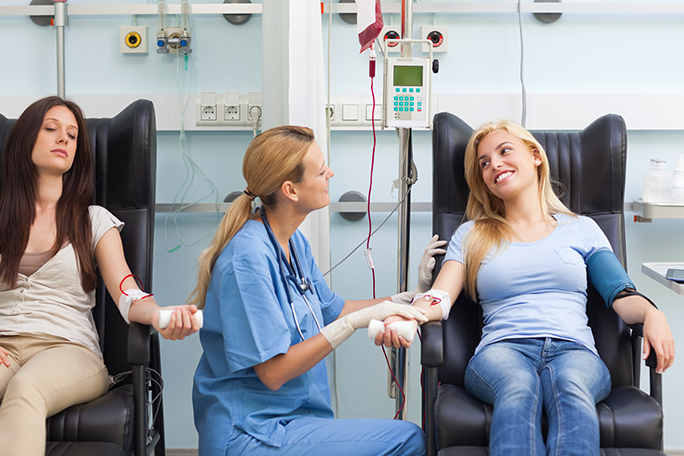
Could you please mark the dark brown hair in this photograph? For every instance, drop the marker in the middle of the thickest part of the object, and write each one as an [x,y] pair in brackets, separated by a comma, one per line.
[18,194]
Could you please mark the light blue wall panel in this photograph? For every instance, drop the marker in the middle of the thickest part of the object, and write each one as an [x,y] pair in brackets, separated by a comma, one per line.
[581,53]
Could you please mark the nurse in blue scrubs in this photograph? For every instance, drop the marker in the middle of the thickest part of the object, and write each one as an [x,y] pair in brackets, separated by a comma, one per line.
[261,386]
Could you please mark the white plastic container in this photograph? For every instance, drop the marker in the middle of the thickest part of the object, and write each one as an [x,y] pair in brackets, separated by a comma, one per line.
[657,183]
[678,181]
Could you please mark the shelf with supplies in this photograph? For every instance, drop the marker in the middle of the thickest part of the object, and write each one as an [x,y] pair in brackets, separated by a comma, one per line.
[646,212]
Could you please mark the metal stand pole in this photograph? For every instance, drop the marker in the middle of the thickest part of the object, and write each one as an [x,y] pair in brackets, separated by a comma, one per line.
[61,20]
[400,354]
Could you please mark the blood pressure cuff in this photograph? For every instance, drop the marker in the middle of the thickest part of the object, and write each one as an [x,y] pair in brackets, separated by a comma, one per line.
[607,275]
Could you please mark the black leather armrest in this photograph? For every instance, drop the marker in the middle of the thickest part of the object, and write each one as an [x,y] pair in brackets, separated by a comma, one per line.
[655,380]
[431,349]
[139,344]
[652,360]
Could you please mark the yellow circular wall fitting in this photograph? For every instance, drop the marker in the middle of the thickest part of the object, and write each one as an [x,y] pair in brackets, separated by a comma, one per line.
[133,40]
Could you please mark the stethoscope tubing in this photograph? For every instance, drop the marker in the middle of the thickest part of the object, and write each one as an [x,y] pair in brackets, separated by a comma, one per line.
[302,286]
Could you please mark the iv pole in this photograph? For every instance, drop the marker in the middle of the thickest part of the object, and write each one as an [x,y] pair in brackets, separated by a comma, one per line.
[400,357]
[61,20]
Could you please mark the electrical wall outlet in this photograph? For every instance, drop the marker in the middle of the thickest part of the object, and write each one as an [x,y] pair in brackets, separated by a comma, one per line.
[133,40]
[231,110]
[254,107]
[231,113]
[438,34]
[207,109]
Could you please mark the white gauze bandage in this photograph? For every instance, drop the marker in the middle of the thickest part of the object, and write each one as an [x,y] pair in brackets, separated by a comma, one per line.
[130,296]
[441,295]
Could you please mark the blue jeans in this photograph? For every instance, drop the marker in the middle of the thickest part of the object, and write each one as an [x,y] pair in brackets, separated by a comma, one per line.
[522,377]
[311,436]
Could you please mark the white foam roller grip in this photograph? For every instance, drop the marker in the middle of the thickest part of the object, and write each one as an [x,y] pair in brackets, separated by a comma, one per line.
[165,317]
[403,328]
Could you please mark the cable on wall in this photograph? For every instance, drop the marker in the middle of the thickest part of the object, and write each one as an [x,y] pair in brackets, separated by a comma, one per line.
[523,118]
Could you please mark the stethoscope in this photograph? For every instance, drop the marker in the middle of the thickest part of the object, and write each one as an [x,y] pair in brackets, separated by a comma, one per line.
[301,285]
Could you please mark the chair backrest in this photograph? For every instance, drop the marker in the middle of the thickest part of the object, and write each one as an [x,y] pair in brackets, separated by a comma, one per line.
[589,169]
[125,149]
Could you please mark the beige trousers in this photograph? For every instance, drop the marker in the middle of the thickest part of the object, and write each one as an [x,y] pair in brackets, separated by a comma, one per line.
[45,377]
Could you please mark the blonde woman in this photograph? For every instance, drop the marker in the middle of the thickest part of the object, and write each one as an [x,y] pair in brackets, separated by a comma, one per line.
[261,386]
[525,258]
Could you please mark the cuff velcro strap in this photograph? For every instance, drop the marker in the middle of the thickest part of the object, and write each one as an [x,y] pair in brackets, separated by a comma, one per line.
[632,292]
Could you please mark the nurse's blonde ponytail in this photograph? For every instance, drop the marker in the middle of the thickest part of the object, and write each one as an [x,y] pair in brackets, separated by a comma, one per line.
[273,157]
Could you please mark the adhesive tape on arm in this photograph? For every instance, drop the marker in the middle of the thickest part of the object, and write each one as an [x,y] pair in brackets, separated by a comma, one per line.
[165,317]
[403,328]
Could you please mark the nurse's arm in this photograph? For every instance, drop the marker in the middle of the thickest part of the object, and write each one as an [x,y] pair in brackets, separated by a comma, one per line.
[353,306]
[450,279]
[299,358]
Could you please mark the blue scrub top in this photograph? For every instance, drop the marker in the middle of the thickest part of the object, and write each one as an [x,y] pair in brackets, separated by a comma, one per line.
[248,320]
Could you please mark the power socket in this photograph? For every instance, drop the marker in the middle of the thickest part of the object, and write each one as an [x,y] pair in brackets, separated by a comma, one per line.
[208,113]
[254,108]
[207,110]
[231,113]
[133,39]
[231,110]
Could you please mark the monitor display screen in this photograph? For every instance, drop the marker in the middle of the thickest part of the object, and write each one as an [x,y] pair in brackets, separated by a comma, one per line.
[405,75]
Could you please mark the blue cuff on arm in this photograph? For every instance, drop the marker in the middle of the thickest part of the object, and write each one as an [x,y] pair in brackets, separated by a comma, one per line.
[607,275]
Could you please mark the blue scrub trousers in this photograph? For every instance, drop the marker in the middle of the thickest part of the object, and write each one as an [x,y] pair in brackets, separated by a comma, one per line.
[311,436]
[520,377]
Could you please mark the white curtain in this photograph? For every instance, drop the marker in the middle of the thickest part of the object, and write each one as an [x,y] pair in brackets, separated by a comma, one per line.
[293,89]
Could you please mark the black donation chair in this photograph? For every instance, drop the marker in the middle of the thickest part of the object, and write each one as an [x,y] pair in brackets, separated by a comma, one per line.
[590,167]
[119,423]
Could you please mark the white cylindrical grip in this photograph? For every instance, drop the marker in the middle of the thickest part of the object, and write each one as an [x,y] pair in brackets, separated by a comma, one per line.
[165,317]
[403,328]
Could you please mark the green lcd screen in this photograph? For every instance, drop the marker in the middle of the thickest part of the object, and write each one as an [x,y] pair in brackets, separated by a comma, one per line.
[408,75]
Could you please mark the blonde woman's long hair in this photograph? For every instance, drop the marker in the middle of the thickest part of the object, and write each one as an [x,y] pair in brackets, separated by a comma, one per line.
[491,230]
[273,157]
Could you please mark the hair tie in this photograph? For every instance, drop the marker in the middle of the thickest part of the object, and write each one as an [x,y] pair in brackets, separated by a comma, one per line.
[251,195]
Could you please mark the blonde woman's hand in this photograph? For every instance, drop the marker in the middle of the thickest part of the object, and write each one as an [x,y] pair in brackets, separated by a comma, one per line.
[658,337]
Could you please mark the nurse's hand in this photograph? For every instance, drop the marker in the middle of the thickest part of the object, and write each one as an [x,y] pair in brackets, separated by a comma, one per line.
[390,338]
[182,322]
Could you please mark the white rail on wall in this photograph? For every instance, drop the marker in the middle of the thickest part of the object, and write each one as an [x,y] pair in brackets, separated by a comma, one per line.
[418,8]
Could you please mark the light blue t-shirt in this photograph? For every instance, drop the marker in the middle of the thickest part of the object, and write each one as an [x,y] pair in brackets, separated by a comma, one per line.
[537,289]
[248,320]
